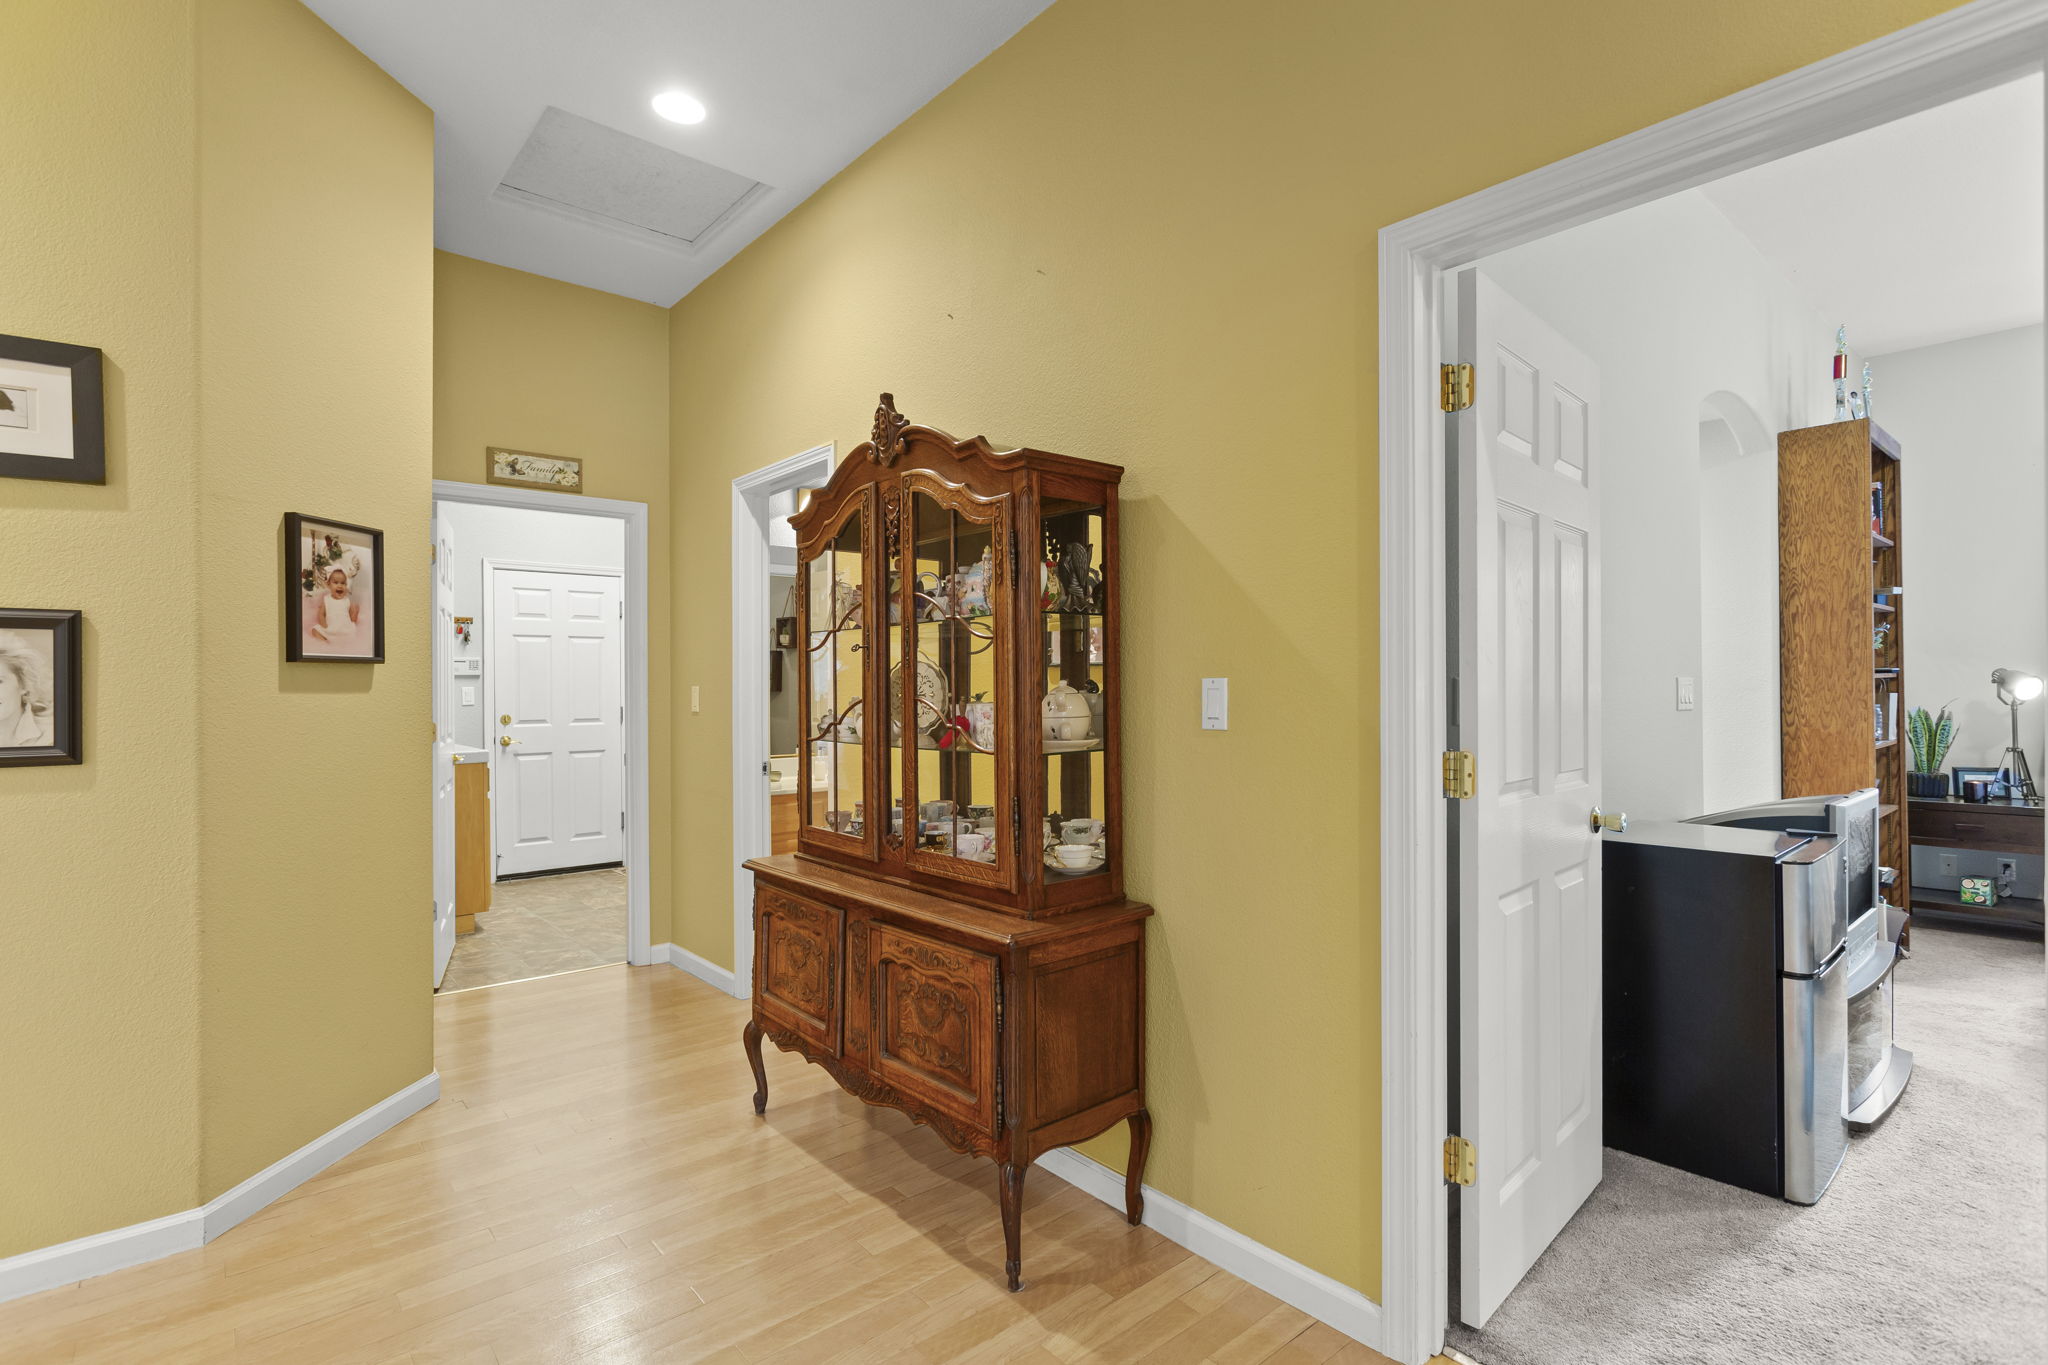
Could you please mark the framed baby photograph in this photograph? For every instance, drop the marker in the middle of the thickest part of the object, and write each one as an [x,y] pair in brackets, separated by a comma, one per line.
[333,591]
[41,719]
[52,411]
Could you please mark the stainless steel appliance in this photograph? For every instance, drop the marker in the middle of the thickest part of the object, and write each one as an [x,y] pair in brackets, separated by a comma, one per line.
[1726,1004]
[1878,1067]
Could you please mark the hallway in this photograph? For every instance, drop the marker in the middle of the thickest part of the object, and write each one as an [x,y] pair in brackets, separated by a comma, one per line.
[593,1185]
[538,926]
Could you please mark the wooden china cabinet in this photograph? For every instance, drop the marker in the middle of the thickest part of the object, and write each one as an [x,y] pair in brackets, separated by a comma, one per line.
[951,937]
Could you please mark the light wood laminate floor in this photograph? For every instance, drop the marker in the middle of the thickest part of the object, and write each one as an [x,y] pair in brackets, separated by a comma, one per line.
[593,1186]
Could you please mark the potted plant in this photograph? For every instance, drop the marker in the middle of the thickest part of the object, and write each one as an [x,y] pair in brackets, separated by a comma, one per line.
[1930,738]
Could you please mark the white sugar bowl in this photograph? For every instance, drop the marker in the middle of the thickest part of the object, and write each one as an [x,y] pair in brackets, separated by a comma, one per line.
[1065,713]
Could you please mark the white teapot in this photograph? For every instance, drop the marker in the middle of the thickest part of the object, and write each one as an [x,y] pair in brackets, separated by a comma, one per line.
[1065,713]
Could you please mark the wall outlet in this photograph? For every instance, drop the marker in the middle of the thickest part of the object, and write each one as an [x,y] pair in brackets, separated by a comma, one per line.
[2008,869]
[1948,865]
[1685,694]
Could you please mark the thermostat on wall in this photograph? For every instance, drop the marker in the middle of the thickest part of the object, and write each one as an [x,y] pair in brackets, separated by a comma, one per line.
[469,668]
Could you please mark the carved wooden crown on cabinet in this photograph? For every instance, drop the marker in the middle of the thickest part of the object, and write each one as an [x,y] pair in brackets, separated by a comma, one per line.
[951,938]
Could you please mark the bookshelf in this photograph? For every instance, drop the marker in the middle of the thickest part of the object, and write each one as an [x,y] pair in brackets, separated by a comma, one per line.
[1841,668]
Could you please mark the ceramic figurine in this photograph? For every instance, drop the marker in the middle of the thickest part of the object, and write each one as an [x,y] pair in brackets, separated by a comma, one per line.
[1066,713]
[1079,582]
[1866,388]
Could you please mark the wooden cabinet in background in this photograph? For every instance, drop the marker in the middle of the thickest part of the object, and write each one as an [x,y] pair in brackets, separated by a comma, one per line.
[950,937]
[472,842]
[1836,676]
[782,812]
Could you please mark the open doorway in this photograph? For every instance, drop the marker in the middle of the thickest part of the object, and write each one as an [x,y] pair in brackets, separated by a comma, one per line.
[767,668]
[1678,712]
[540,749]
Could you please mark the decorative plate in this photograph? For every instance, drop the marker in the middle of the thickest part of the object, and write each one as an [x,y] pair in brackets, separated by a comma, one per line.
[1071,746]
[931,694]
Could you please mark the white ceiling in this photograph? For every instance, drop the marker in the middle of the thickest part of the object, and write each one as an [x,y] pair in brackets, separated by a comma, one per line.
[1925,230]
[796,90]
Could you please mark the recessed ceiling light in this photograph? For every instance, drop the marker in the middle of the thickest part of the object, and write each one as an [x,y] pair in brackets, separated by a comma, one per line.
[677,107]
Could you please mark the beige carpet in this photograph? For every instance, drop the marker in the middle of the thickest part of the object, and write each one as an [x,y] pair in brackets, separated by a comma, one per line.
[538,926]
[1928,1248]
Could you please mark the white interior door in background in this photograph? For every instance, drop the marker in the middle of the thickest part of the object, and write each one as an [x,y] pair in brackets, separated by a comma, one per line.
[557,714]
[1526,703]
[441,652]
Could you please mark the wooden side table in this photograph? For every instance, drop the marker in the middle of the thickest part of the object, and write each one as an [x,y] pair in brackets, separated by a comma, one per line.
[1981,827]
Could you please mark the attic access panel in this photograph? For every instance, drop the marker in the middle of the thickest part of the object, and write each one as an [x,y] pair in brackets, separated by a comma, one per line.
[582,169]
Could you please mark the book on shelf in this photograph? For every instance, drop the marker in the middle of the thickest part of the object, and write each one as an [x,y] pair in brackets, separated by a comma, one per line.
[1877,507]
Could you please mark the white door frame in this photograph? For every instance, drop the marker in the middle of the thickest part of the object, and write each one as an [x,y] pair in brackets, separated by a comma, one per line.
[639,846]
[752,834]
[490,697]
[1954,54]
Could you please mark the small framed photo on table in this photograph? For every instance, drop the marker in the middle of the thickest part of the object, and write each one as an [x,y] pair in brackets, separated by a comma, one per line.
[52,411]
[41,698]
[333,591]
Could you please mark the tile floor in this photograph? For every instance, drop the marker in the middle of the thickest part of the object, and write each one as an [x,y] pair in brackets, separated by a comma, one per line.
[538,926]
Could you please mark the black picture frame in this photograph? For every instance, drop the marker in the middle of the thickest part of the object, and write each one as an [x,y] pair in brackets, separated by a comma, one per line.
[67,691]
[87,462]
[785,632]
[295,524]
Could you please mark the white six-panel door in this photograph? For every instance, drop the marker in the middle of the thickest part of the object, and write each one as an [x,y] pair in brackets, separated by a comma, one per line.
[556,719]
[1528,709]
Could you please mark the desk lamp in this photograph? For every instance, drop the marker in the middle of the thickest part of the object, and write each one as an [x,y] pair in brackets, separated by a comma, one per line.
[2014,688]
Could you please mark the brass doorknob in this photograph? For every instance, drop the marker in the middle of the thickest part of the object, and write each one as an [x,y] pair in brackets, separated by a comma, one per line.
[505,741]
[1618,822]
[504,720]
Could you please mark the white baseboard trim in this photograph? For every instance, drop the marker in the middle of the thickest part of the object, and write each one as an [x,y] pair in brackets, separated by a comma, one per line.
[710,973]
[51,1267]
[1293,1283]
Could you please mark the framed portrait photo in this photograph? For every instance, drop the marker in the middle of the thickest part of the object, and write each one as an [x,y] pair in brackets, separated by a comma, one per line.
[333,591]
[41,719]
[525,469]
[52,411]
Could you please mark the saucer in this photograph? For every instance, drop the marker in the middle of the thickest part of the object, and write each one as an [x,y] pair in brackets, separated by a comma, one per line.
[1070,746]
[1094,865]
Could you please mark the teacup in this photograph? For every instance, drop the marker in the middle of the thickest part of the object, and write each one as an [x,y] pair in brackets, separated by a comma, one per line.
[1080,831]
[970,845]
[1074,855]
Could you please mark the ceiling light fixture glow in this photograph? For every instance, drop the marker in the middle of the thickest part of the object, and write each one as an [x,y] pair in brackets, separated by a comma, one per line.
[677,107]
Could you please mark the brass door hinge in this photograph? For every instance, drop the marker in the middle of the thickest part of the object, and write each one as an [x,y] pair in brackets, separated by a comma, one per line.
[1461,775]
[1457,387]
[433,552]
[1461,1161]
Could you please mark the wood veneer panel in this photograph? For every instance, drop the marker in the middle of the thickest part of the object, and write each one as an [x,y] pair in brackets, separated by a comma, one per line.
[1824,609]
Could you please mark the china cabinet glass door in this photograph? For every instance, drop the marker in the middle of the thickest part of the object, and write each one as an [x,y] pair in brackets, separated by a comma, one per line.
[949,677]
[833,773]
[1076,648]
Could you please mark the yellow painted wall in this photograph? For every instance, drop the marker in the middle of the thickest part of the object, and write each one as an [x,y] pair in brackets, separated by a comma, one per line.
[237,207]
[316,192]
[536,364]
[99,937]
[1143,231]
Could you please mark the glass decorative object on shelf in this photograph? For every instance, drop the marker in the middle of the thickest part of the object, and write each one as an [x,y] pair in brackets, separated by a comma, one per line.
[1866,389]
[1842,373]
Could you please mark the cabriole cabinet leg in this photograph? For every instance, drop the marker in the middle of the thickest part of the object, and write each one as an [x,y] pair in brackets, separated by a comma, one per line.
[1134,1169]
[751,1036]
[1013,1222]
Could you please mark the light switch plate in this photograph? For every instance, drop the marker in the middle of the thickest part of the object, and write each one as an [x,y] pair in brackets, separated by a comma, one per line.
[1685,694]
[469,696]
[696,700]
[1215,703]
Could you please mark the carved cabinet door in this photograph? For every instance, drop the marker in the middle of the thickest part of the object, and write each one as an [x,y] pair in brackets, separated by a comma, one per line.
[796,969]
[934,1010]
